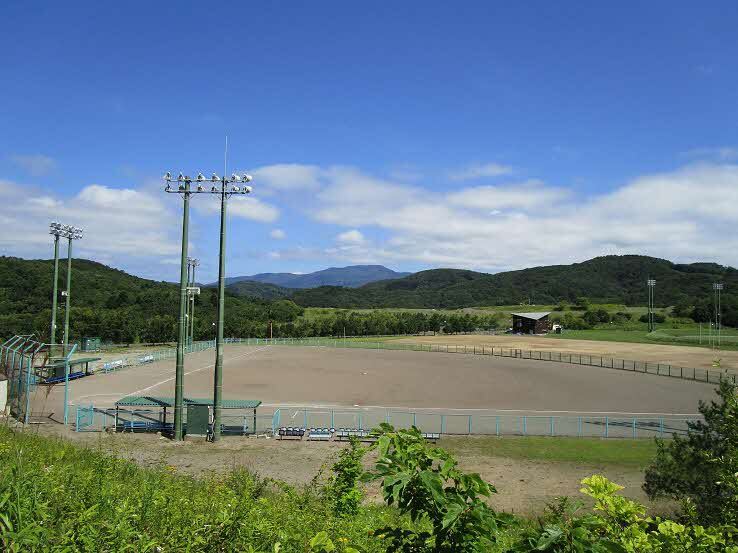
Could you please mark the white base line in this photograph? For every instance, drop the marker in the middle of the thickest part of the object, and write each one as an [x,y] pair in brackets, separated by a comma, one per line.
[169,379]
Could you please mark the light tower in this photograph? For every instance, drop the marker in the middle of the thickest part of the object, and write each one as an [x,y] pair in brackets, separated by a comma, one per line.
[651,284]
[223,187]
[192,290]
[717,288]
[71,233]
[55,229]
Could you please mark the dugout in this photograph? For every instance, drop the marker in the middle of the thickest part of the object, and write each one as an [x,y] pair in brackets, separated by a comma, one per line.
[156,414]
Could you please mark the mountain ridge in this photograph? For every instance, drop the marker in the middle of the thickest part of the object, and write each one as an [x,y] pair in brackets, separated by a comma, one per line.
[350,276]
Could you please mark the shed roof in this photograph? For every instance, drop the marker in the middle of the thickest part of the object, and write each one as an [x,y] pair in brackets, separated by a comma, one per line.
[149,401]
[533,316]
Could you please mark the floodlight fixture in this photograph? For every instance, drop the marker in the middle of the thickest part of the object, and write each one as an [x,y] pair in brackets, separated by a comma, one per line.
[214,177]
[200,177]
[168,188]
[246,177]
[180,177]
[181,187]
[235,178]
[247,190]
[168,176]
[235,188]
[717,286]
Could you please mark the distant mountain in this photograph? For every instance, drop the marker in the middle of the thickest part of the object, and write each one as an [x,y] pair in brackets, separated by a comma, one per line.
[349,277]
[612,279]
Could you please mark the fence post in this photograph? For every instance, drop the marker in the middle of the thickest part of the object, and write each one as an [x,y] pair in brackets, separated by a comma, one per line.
[470,424]
[579,427]
[552,426]
[333,425]
[635,426]
[415,420]
[525,425]
[661,427]
[305,418]
[607,427]
[443,424]
[497,425]
[361,427]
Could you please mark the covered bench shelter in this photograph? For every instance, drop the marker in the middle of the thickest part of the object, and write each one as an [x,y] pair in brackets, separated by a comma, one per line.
[55,369]
[198,414]
[531,323]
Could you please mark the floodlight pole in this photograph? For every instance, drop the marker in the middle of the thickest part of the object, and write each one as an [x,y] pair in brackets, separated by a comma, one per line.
[195,263]
[218,378]
[69,295]
[182,334]
[52,335]
[224,192]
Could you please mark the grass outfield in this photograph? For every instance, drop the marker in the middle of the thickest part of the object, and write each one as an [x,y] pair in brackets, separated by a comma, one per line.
[627,453]
[672,336]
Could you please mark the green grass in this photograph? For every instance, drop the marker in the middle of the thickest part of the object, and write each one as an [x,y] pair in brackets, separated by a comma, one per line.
[627,453]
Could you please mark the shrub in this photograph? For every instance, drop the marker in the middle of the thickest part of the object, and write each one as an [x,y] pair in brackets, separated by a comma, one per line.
[343,490]
[701,468]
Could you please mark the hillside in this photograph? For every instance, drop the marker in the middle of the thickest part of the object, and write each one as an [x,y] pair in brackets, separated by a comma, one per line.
[258,290]
[116,306]
[615,279]
[349,277]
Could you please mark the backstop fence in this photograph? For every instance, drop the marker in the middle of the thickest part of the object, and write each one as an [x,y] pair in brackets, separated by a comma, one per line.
[660,369]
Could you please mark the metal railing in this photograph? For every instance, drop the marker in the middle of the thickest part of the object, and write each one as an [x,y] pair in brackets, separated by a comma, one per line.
[144,358]
[659,369]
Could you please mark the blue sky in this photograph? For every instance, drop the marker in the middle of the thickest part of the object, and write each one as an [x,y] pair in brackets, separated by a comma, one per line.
[483,135]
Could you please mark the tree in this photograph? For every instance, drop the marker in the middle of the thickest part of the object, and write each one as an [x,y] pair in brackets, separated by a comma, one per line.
[694,468]
[582,303]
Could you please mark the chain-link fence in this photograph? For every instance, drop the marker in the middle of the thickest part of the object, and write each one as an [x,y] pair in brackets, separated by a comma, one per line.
[646,367]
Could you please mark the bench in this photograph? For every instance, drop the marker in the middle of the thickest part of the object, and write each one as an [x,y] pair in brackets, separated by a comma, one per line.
[58,379]
[323,434]
[344,434]
[146,426]
[290,432]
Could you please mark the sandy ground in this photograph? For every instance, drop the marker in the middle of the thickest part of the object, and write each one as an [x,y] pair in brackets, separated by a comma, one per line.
[524,486]
[316,376]
[684,356]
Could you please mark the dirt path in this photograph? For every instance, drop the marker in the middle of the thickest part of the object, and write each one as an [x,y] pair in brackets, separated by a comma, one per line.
[524,486]
[684,356]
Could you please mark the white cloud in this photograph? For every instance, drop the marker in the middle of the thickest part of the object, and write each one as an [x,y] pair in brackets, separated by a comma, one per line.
[288,176]
[351,237]
[36,165]
[244,207]
[119,224]
[525,195]
[278,234]
[686,215]
[477,171]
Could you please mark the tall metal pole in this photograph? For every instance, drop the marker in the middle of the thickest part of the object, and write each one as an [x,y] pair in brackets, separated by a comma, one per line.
[52,335]
[69,296]
[192,309]
[218,378]
[182,335]
[187,312]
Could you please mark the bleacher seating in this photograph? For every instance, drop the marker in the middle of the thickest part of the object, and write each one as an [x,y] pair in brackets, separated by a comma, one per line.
[146,426]
[321,433]
[290,432]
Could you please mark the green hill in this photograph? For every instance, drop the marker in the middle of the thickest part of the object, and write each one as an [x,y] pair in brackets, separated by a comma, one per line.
[608,279]
[119,307]
[258,290]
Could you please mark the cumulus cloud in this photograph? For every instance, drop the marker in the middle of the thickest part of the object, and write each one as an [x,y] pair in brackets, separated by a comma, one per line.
[244,207]
[685,215]
[37,165]
[288,176]
[477,171]
[278,234]
[351,237]
[122,223]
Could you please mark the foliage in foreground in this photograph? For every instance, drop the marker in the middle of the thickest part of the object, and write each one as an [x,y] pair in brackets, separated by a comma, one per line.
[58,497]
[701,469]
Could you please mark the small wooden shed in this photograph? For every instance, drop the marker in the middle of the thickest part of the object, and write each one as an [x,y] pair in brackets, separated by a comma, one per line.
[531,323]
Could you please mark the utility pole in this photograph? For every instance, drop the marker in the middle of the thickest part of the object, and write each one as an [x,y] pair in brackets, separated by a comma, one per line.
[223,187]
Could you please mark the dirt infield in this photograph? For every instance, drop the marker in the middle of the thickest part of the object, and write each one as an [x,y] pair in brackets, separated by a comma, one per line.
[680,356]
[313,376]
